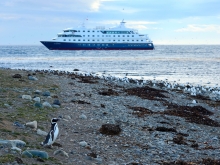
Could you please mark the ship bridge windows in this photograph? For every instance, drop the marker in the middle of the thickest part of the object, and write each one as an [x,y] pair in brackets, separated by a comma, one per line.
[70,35]
[70,31]
[116,32]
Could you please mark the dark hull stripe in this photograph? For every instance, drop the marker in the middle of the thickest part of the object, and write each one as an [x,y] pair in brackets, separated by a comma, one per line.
[97,46]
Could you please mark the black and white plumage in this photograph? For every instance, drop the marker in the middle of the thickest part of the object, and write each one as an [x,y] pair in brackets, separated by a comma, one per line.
[53,133]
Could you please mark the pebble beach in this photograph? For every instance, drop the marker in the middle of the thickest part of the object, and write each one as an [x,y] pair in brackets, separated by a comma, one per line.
[106,120]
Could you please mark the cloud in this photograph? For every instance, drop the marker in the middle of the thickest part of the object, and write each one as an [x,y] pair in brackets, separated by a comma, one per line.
[8,17]
[200,28]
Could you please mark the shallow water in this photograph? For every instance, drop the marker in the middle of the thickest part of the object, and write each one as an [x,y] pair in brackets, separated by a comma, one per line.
[196,64]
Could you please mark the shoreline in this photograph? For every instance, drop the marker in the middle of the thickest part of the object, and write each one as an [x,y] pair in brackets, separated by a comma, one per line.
[159,124]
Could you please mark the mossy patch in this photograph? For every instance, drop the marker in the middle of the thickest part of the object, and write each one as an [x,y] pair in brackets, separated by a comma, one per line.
[7,158]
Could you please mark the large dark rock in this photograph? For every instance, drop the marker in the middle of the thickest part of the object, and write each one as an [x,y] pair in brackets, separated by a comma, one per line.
[110,129]
[17,76]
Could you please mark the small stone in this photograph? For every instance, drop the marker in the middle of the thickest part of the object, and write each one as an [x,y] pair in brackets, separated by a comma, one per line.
[38,92]
[32,124]
[61,152]
[37,99]
[32,78]
[38,105]
[18,124]
[42,133]
[83,143]
[55,106]
[67,117]
[27,97]
[46,104]
[82,116]
[47,93]
[56,102]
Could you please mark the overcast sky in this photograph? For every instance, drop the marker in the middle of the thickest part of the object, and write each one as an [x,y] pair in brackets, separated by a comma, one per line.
[26,22]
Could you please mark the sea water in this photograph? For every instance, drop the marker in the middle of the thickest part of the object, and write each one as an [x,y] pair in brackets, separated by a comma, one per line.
[194,64]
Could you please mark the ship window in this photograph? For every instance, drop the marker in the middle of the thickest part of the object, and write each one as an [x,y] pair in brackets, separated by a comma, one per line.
[88,35]
[97,35]
[137,40]
[103,44]
[93,40]
[118,35]
[74,40]
[88,31]
[123,35]
[113,35]
[64,40]
[127,40]
[78,30]
[102,40]
[118,40]
[102,35]
[97,40]
[89,44]
[83,35]
[93,35]
[132,35]
[97,31]
[123,40]
[127,35]
[132,40]
[83,30]
[69,39]
[93,31]
[88,40]
[78,40]
[83,40]
[141,40]
[113,40]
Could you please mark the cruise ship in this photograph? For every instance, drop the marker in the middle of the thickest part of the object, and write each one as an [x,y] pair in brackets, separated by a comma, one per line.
[100,38]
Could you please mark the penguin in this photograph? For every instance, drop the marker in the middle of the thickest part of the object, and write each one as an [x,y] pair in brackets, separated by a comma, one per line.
[53,133]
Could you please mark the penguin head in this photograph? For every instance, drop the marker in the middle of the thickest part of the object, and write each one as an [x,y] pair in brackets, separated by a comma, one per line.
[54,120]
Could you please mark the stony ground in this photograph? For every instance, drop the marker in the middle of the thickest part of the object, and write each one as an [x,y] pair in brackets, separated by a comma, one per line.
[106,122]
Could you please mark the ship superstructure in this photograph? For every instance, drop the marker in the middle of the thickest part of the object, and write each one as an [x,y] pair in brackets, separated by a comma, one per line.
[117,38]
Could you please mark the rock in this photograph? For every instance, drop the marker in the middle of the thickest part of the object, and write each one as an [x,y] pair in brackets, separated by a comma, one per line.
[55,106]
[110,129]
[7,105]
[194,101]
[42,133]
[38,92]
[37,99]
[46,104]
[17,143]
[17,124]
[32,78]
[56,102]
[16,149]
[67,117]
[38,105]
[83,143]
[47,93]
[34,153]
[16,76]
[82,116]
[27,97]
[12,143]
[32,124]
[61,152]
